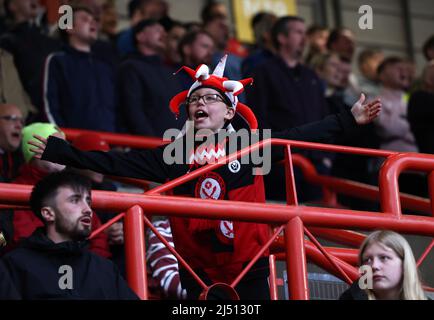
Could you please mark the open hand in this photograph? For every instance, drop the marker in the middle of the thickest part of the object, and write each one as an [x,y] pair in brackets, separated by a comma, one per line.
[38,145]
[365,113]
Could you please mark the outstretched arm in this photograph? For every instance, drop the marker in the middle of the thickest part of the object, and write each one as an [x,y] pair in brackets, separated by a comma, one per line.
[331,127]
[334,126]
[144,164]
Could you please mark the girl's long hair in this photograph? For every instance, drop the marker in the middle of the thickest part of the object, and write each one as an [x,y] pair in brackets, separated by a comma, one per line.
[411,286]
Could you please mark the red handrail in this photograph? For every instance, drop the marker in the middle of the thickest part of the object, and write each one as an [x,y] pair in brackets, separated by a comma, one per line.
[353,188]
[116,139]
[342,186]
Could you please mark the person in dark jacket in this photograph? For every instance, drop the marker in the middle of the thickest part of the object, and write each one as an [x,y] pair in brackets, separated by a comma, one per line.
[261,23]
[79,87]
[7,288]
[217,249]
[24,222]
[354,293]
[421,112]
[30,46]
[53,263]
[145,85]
[287,94]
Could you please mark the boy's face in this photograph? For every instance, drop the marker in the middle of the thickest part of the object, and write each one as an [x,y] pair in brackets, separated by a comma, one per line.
[211,115]
[85,27]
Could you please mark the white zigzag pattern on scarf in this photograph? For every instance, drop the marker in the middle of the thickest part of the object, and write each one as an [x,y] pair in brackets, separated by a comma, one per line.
[208,155]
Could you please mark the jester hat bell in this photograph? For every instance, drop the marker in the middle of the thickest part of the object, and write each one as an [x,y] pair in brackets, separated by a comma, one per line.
[230,88]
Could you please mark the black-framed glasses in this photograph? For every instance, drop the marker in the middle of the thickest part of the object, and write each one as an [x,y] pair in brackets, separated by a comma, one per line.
[207,99]
[14,118]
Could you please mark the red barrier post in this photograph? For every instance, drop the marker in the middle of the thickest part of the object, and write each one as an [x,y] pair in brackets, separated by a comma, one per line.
[291,190]
[273,277]
[296,260]
[135,258]
[431,190]
[389,174]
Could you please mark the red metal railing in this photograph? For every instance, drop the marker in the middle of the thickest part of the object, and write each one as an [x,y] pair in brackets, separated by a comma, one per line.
[342,186]
[292,218]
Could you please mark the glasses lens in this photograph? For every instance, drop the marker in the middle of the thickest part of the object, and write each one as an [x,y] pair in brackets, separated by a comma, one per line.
[13,119]
[193,99]
[209,98]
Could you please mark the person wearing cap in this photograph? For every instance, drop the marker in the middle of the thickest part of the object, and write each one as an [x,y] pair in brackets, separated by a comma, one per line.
[22,223]
[216,249]
[145,86]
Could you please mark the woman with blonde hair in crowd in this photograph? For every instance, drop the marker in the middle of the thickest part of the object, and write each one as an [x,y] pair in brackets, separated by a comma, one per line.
[394,271]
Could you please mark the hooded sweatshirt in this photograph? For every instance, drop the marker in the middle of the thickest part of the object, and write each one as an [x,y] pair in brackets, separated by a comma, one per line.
[42,269]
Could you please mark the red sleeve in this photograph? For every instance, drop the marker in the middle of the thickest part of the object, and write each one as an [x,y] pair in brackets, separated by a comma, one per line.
[24,223]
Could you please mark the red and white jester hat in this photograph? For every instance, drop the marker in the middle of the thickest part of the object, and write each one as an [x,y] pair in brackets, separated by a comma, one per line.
[230,88]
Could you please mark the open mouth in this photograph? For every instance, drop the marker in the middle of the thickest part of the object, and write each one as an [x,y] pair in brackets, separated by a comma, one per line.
[200,114]
[16,135]
[86,221]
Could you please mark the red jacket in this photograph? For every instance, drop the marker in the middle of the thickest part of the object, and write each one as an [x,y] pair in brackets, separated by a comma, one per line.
[25,222]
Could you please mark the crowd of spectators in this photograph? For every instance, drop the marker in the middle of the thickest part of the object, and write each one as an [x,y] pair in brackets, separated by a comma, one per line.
[97,78]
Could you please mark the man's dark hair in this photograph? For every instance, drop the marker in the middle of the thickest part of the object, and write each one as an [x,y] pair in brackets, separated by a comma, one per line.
[189,39]
[334,36]
[207,14]
[168,23]
[429,44]
[142,25]
[281,27]
[45,191]
[261,23]
[388,62]
[257,18]
[133,6]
